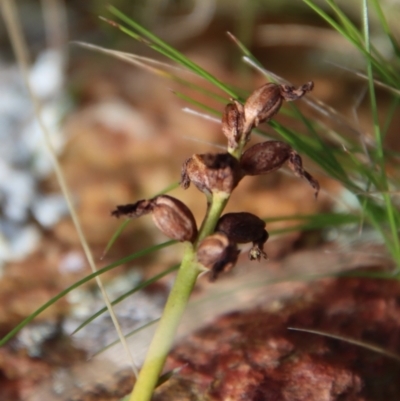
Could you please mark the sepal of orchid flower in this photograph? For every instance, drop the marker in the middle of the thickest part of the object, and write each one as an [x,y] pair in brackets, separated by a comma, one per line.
[211,173]
[296,165]
[266,101]
[171,216]
[218,254]
[134,210]
[262,105]
[244,227]
[233,123]
[266,157]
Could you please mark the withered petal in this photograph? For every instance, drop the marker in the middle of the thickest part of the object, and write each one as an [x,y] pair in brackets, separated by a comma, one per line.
[245,227]
[171,216]
[262,105]
[233,123]
[218,254]
[138,209]
[242,227]
[211,172]
[296,165]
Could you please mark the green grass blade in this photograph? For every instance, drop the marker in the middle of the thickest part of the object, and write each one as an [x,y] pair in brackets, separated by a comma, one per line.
[363,171]
[394,241]
[348,340]
[330,21]
[318,221]
[296,112]
[170,52]
[46,305]
[131,333]
[168,188]
[371,88]
[382,68]
[114,237]
[244,49]
[198,104]
[348,26]
[202,90]
[328,163]
[142,285]
[385,26]
[389,117]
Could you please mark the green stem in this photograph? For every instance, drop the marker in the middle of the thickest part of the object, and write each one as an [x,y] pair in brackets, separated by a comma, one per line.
[165,333]
[218,203]
[174,308]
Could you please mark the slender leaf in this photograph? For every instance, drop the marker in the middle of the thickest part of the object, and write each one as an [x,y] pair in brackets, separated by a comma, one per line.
[142,285]
[46,305]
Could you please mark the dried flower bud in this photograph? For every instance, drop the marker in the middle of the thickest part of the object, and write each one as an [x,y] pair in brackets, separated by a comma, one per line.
[170,215]
[266,101]
[265,157]
[232,124]
[296,165]
[262,105]
[218,254]
[242,228]
[211,172]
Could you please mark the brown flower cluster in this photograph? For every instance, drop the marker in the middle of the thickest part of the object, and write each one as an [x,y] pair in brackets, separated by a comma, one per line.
[220,174]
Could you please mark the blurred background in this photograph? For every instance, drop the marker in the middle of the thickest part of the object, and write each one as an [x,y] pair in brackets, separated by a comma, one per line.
[121,135]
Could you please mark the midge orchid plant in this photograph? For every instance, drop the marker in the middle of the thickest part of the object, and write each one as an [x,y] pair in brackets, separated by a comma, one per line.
[359,162]
[213,247]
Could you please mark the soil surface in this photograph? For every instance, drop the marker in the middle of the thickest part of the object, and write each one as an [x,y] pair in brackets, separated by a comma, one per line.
[253,356]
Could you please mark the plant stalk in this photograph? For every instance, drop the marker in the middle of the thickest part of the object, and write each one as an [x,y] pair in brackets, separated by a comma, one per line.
[165,333]
[217,205]
[175,307]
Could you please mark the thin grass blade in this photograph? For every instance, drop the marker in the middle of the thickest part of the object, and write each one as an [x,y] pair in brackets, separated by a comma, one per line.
[142,285]
[46,305]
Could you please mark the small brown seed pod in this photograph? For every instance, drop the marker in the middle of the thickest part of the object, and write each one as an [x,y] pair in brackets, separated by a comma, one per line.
[266,101]
[245,227]
[170,215]
[211,173]
[232,124]
[218,254]
[265,157]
